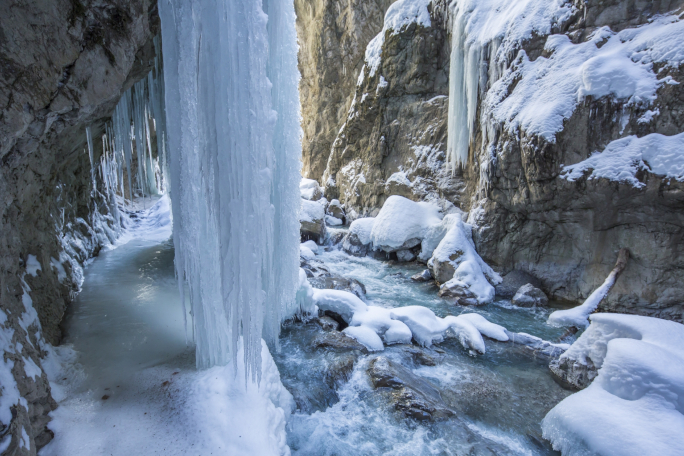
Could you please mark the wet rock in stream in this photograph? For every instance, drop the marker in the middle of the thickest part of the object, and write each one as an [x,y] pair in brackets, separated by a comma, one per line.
[337,341]
[410,394]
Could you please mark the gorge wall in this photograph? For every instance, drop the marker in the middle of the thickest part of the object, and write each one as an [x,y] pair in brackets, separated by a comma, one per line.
[64,65]
[529,214]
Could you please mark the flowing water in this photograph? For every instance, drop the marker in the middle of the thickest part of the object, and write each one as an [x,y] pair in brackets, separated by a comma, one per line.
[133,364]
[499,398]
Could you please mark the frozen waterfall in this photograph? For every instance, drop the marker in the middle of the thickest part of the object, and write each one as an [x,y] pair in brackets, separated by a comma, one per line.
[234,168]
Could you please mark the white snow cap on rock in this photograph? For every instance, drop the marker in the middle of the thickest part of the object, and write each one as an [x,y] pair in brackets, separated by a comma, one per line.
[311,211]
[472,272]
[622,158]
[310,189]
[371,325]
[362,228]
[635,405]
[399,15]
[401,220]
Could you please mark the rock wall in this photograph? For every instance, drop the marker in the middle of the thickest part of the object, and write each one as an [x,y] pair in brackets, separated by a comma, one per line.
[393,140]
[63,66]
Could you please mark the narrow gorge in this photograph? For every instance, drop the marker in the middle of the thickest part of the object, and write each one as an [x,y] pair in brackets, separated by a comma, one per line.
[342,227]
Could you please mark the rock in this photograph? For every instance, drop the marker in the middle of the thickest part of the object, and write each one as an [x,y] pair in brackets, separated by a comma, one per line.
[411,395]
[327,323]
[442,271]
[335,210]
[336,238]
[424,276]
[463,296]
[339,371]
[337,341]
[310,190]
[420,356]
[513,281]
[530,296]
[573,373]
[312,221]
[353,246]
[332,221]
[405,256]
[332,281]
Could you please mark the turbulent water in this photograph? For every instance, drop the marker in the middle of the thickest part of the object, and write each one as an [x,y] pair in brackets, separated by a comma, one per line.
[500,398]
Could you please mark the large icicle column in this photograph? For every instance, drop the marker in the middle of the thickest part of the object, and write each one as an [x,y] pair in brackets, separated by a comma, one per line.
[234,165]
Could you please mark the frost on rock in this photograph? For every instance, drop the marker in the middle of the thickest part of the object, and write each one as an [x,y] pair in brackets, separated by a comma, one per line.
[634,406]
[398,16]
[623,158]
[235,188]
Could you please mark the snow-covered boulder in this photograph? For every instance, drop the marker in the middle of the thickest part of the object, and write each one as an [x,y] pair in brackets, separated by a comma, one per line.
[311,245]
[457,266]
[530,296]
[310,190]
[403,224]
[335,210]
[332,221]
[357,242]
[634,406]
[306,253]
[312,220]
[343,303]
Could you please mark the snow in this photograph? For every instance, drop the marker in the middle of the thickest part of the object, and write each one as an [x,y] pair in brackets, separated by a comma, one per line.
[332,221]
[309,188]
[400,178]
[498,26]
[401,14]
[32,265]
[306,253]
[401,220]
[311,245]
[491,330]
[362,228]
[633,406]
[578,316]
[615,64]
[341,302]
[365,336]
[61,272]
[471,272]
[623,158]
[305,297]
[311,211]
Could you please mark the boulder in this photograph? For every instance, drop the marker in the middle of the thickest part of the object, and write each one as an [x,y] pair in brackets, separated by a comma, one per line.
[424,276]
[512,282]
[335,210]
[411,395]
[310,190]
[312,221]
[337,341]
[464,296]
[354,246]
[405,255]
[530,296]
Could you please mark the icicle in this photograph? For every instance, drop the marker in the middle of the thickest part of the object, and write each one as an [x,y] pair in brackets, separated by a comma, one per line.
[89,139]
[232,191]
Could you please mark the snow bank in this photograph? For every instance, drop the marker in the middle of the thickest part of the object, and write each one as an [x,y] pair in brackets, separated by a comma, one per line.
[398,16]
[621,159]
[403,223]
[578,316]
[619,65]
[634,406]
[370,325]
[471,272]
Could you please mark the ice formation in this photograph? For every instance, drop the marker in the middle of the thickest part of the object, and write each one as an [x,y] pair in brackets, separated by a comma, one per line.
[485,35]
[634,406]
[234,153]
[622,158]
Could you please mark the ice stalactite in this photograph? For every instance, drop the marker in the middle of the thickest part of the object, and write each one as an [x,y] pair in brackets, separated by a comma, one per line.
[234,166]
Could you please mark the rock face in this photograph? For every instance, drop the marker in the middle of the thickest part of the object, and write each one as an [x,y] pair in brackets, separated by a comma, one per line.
[527,216]
[63,66]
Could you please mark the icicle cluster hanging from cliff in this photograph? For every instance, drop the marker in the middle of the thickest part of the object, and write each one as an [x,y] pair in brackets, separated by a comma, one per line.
[138,116]
[234,166]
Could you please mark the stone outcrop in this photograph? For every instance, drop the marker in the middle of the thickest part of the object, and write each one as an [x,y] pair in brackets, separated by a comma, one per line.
[529,296]
[63,67]
[392,140]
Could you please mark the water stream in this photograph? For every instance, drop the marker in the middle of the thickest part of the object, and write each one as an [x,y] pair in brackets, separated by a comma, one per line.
[126,391]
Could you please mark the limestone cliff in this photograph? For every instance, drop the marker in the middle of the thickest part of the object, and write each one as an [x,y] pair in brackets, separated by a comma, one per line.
[394,139]
[63,67]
